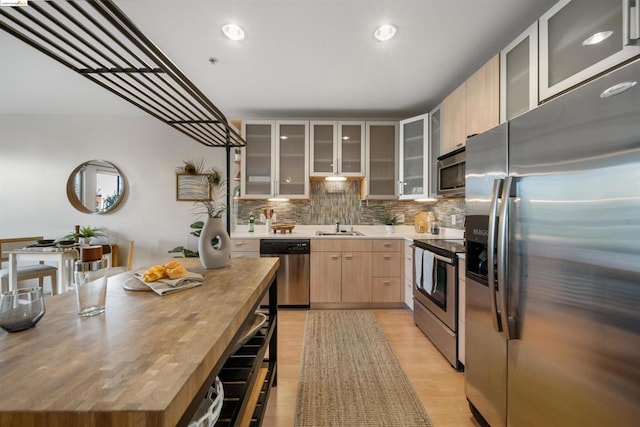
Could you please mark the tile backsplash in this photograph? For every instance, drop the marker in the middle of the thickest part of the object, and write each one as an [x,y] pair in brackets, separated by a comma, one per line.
[330,202]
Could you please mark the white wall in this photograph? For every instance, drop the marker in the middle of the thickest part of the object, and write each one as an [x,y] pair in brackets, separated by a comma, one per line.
[37,154]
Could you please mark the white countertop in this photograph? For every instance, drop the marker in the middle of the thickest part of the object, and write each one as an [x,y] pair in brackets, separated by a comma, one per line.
[370,232]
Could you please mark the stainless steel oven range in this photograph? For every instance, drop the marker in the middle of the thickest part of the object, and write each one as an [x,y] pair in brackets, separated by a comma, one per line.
[435,292]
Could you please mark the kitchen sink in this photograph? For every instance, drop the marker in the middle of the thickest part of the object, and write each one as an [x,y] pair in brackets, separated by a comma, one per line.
[339,233]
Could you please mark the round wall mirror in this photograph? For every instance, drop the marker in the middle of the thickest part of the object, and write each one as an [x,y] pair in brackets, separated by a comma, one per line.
[96,187]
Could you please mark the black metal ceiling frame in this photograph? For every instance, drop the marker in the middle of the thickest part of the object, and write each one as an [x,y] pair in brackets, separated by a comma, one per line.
[97,40]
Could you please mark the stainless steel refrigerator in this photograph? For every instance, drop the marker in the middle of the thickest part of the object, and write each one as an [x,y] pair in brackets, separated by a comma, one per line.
[553,261]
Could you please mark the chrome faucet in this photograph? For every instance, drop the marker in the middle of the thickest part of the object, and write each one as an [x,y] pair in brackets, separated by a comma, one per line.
[337,226]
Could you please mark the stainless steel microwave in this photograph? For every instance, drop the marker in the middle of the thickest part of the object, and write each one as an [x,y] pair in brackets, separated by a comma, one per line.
[451,174]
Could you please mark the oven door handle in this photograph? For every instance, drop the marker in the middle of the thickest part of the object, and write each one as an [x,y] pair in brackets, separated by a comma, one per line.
[491,247]
[443,259]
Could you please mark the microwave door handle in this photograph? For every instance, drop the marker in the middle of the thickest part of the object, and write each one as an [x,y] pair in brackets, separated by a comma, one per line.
[491,237]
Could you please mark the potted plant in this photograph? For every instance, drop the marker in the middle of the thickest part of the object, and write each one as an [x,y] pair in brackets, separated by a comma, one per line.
[389,221]
[214,243]
[236,154]
[84,234]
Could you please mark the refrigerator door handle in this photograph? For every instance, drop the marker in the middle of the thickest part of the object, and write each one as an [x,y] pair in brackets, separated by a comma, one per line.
[503,251]
[491,245]
[631,17]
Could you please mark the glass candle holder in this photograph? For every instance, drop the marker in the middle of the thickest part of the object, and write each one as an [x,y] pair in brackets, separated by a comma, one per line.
[21,309]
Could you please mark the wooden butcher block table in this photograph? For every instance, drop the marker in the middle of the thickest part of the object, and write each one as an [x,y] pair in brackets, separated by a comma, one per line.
[147,361]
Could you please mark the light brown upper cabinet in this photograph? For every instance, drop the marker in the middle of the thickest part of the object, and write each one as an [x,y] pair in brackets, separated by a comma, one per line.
[473,107]
[483,98]
[454,119]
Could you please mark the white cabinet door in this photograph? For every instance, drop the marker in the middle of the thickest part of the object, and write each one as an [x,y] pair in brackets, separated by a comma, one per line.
[582,38]
[414,159]
[337,148]
[351,148]
[435,141]
[519,75]
[408,274]
[292,178]
[258,159]
[275,162]
[381,160]
[324,148]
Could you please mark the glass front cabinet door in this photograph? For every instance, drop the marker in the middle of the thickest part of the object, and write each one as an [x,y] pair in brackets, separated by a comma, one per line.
[381,159]
[275,160]
[337,148]
[258,159]
[434,142]
[580,39]
[519,75]
[292,178]
[414,166]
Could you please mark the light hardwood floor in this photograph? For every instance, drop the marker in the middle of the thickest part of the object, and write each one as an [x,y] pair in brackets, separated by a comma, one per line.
[439,386]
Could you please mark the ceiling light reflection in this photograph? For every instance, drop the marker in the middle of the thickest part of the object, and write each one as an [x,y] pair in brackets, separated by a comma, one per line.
[597,38]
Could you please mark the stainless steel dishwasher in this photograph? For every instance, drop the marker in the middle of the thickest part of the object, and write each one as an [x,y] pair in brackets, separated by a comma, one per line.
[293,273]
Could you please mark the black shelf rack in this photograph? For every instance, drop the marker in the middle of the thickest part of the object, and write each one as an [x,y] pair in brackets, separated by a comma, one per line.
[97,40]
[240,371]
[239,376]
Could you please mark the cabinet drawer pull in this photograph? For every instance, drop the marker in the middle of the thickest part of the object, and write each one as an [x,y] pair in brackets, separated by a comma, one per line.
[335,256]
[386,282]
[387,257]
[387,245]
[348,256]
[239,243]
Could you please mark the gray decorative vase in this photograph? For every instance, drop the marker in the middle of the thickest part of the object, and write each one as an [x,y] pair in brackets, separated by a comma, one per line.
[210,256]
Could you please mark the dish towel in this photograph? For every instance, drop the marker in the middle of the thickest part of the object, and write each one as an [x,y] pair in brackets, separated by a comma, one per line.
[417,262]
[167,286]
[427,272]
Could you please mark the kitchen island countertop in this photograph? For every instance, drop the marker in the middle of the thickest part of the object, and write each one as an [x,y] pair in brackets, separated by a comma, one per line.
[140,363]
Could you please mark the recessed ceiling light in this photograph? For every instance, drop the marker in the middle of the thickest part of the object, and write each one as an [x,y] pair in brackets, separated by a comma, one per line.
[385,32]
[233,32]
[283,137]
[597,38]
[335,178]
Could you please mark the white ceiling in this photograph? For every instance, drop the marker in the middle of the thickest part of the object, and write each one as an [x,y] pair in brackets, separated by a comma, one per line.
[301,58]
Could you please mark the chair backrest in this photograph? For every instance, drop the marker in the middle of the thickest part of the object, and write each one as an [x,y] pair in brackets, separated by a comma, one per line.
[15,243]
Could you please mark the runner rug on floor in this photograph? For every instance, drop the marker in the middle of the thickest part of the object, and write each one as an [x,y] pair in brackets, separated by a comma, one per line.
[349,376]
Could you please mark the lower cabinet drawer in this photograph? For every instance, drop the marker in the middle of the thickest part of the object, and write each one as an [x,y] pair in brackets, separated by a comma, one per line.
[386,289]
[387,264]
